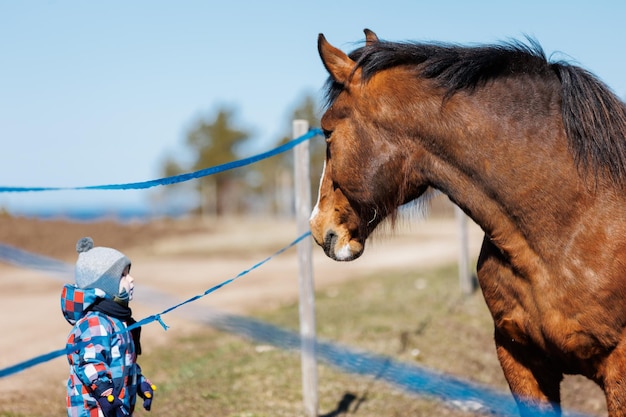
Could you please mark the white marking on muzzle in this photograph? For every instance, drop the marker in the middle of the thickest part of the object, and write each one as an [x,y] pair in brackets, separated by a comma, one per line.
[344,253]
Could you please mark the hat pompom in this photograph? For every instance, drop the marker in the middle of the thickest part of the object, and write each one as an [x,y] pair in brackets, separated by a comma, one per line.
[84,244]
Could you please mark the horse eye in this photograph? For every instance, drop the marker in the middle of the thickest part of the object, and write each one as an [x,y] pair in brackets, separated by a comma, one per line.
[327,133]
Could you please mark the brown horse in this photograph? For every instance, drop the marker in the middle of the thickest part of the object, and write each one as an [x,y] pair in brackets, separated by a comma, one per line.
[533,151]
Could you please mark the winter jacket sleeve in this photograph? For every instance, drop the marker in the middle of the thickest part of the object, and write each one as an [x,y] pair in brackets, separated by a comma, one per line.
[96,345]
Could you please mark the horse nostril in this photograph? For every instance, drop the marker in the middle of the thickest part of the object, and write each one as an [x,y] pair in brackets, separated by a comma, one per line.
[329,242]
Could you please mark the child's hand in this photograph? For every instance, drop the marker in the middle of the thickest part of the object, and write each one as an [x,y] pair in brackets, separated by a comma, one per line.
[146,391]
[111,406]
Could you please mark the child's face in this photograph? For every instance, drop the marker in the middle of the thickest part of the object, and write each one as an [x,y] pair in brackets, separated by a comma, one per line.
[127,283]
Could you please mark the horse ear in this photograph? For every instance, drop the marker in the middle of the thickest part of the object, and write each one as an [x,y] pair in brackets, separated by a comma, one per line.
[337,63]
[370,37]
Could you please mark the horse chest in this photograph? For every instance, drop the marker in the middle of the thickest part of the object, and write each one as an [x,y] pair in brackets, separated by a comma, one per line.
[570,328]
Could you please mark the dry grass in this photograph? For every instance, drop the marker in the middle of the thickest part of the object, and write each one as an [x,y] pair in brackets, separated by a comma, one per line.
[220,374]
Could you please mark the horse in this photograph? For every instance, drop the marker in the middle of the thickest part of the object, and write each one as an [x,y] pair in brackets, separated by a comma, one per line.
[533,150]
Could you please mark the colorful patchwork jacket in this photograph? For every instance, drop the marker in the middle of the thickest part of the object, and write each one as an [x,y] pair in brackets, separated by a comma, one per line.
[104,354]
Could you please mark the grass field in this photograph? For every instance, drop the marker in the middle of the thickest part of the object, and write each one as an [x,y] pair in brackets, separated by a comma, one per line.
[411,317]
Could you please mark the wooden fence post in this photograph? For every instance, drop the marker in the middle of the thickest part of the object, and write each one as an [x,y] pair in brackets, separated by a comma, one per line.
[302,182]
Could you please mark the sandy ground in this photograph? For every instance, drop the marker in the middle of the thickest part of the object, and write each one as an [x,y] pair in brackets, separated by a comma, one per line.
[182,259]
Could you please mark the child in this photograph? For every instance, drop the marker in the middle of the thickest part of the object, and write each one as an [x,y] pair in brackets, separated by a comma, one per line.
[104,375]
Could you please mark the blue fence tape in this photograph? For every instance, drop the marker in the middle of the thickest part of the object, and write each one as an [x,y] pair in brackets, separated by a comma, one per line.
[155,317]
[24,259]
[19,257]
[410,377]
[176,178]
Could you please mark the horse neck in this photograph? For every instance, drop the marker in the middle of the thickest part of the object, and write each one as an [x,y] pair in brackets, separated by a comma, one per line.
[503,157]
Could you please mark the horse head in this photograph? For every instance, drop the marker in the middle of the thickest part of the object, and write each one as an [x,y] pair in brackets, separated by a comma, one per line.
[367,173]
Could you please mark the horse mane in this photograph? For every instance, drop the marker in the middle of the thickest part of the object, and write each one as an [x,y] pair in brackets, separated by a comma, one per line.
[593,116]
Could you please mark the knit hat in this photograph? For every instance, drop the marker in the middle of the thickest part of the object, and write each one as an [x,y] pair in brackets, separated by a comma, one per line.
[99,267]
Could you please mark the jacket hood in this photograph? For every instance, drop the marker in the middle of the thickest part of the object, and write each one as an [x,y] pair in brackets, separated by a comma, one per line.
[76,301]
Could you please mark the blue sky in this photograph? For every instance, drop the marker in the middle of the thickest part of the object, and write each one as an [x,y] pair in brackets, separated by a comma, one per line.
[101,92]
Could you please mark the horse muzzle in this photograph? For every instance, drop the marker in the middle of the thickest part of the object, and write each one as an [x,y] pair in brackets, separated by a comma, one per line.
[340,249]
